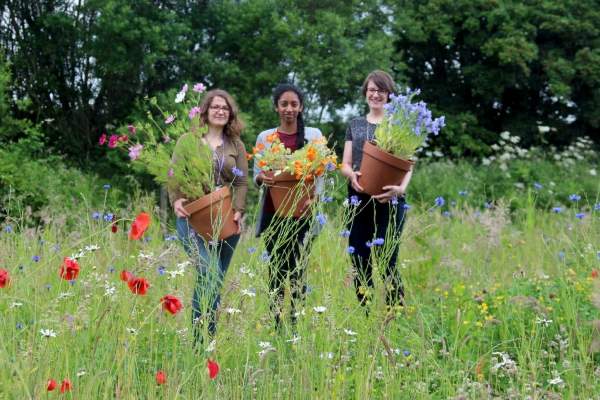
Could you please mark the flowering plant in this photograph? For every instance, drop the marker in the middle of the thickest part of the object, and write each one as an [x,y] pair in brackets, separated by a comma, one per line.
[406,125]
[171,148]
[312,160]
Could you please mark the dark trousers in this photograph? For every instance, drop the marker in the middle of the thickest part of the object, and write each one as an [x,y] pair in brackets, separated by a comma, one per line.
[374,220]
[288,247]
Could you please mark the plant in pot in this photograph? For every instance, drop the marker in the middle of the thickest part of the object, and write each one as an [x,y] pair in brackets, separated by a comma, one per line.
[404,128]
[293,175]
[173,152]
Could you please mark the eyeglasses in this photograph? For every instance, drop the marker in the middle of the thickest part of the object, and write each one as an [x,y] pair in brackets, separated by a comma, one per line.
[225,109]
[378,91]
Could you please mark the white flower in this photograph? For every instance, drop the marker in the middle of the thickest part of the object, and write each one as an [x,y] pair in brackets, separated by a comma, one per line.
[295,339]
[148,256]
[350,332]
[249,292]
[264,345]
[593,172]
[48,333]
[175,273]
[92,247]
[183,265]
[515,139]
[543,129]
[328,355]
[320,309]
[77,255]
[505,135]
[64,295]
[543,321]
[15,304]
[231,310]
[133,331]
[180,96]
[345,203]
[81,373]
[299,313]
[109,290]
[211,346]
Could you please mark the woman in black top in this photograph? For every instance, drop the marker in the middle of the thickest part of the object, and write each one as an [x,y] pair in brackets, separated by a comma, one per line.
[378,220]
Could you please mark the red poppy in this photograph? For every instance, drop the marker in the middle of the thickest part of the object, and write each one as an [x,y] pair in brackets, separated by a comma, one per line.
[69,269]
[138,285]
[51,385]
[594,275]
[126,276]
[213,368]
[161,378]
[171,304]
[114,228]
[4,278]
[66,386]
[139,226]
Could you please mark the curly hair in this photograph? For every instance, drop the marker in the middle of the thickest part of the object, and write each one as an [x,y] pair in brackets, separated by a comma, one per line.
[234,125]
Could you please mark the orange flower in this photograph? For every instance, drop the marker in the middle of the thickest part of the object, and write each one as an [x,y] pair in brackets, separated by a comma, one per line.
[262,163]
[248,156]
[258,148]
[319,171]
[271,138]
[311,153]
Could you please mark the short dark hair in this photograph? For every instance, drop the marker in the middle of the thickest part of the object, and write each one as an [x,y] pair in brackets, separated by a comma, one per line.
[382,79]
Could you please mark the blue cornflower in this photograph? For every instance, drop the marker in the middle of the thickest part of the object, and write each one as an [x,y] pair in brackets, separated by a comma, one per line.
[321,219]
[597,207]
[463,193]
[394,200]
[345,233]
[170,238]
[106,187]
[354,200]
[439,201]
[19,326]
[96,215]
[237,172]
[327,199]
[574,197]
[36,258]
[557,210]
[161,270]
[309,289]
[265,256]
[111,269]
[406,206]
[108,217]
[251,250]
[378,241]
[561,255]
[56,248]
[350,249]
[537,185]
[329,166]
[487,205]
[48,286]
[406,353]
[580,215]
[447,214]
[369,243]
[8,229]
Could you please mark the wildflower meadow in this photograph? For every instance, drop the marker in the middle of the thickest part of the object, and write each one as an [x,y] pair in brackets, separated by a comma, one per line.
[501,301]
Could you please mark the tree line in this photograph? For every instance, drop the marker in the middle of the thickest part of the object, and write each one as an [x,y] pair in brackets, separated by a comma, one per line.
[71,70]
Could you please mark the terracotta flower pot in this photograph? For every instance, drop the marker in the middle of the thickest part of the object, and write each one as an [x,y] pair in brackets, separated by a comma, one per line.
[380,168]
[211,216]
[289,194]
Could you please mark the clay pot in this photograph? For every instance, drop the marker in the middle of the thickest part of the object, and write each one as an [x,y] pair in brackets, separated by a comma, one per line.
[380,168]
[289,194]
[211,215]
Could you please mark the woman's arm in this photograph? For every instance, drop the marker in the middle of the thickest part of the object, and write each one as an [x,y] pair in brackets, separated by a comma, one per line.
[240,180]
[395,190]
[347,170]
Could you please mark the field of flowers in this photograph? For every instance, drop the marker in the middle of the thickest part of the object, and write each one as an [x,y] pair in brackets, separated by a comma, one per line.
[499,304]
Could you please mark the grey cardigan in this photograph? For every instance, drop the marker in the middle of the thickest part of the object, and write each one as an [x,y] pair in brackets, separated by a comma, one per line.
[309,134]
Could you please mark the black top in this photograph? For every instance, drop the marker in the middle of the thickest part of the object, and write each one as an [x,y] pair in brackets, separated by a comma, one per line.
[359,130]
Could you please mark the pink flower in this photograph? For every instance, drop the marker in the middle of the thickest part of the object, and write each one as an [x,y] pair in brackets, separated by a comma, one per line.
[131,129]
[134,151]
[170,119]
[166,139]
[199,88]
[194,111]
[184,88]
[112,142]
[102,139]
[170,173]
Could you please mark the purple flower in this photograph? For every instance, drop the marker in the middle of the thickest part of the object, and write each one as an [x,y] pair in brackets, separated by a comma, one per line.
[8,229]
[265,256]
[439,201]
[199,88]
[134,151]
[170,173]
[321,219]
[193,112]
[406,206]
[251,250]
[463,193]
[354,201]
[537,185]
[350,250]
[446,214]
[369,244]
[170,238]
[96,215]
[394,200]
[237,172]
[36,258]
[557,210]
[574,197]
[329,167]
[597,207]
[406,353]
[345,233]
[378,241]
[108,217]
[170,119]
[131,129]
[327,199]
[487,205]
[161,270]
[106,187]
[580,215]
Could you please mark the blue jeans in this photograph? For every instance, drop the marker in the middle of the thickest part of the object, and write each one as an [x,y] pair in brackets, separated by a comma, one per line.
[212,261]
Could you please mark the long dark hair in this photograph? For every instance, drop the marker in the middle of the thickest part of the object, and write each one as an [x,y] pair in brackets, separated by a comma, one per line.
[288,87]
[234,125]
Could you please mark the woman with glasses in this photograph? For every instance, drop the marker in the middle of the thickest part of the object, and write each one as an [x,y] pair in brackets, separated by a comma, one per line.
[220,114]
[287,239]
[377,220]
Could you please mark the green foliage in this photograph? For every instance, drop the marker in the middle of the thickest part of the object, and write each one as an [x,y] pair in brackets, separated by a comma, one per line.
[192,167]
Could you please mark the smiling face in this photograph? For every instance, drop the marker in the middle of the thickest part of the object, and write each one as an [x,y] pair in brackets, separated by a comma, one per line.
[288,107]
[218,112]
[376,96]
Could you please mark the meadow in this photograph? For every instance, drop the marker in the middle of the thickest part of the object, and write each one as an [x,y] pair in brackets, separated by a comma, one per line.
[502,301]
